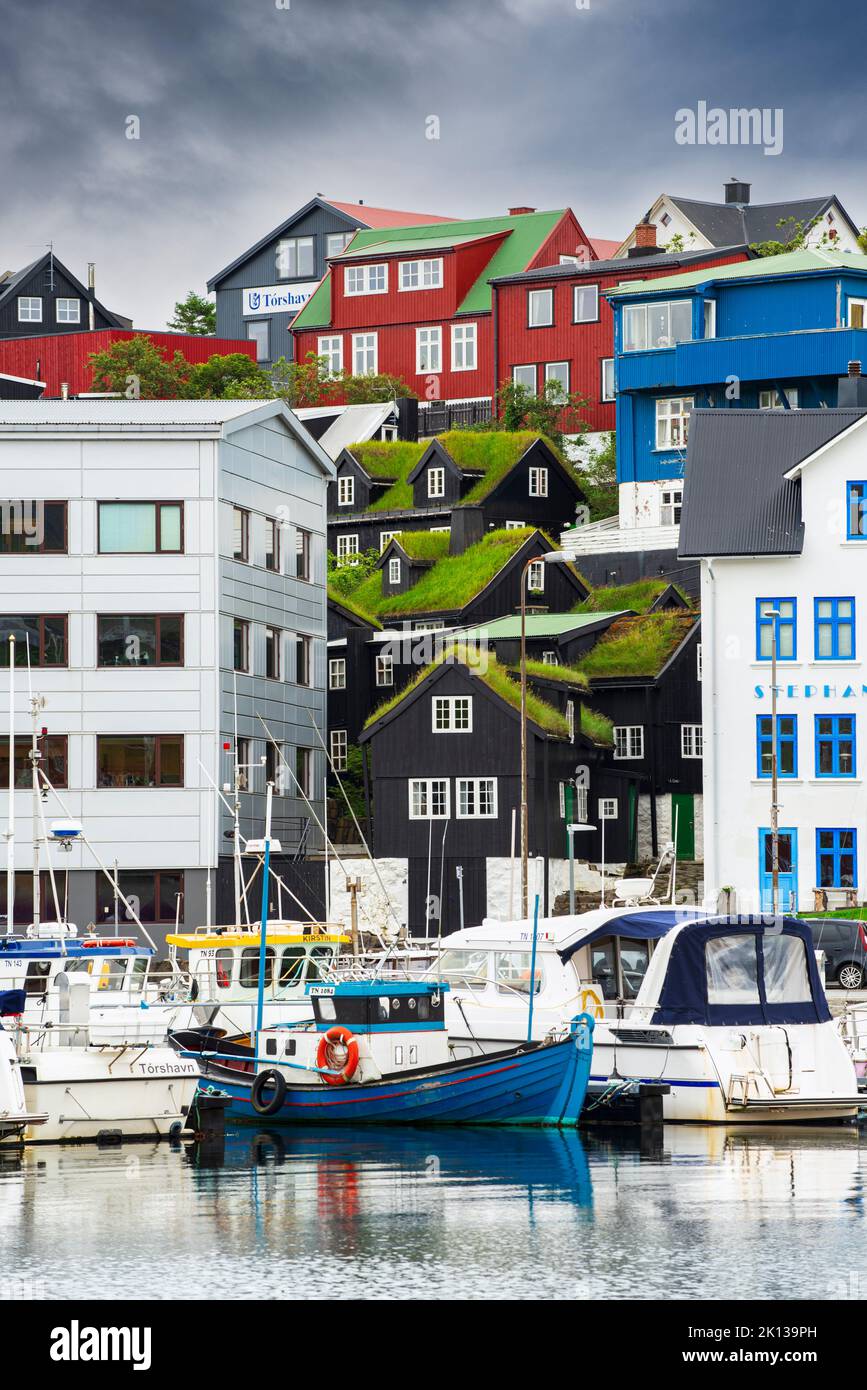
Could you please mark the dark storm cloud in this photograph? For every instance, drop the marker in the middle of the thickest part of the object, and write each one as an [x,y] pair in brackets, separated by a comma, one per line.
[247,109]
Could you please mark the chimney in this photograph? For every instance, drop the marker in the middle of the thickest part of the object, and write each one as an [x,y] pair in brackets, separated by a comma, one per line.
[852,389]
[737,192]
[519,212]
[467,527]
[91,285]
[645,239]
[64,390]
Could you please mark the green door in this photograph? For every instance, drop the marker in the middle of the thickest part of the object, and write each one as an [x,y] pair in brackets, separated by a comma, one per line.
[683,813]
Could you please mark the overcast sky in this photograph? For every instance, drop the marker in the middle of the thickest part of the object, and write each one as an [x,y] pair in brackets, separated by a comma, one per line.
[247,109]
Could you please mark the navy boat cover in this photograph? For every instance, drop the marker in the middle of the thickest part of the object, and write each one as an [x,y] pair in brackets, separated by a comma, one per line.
[12,1001]
[636,926]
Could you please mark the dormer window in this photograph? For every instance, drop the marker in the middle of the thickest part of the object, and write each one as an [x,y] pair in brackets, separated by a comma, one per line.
[436,482]
[538,482]
[346,491]
[394,571]
[536,577]
[365,279]
[421,275]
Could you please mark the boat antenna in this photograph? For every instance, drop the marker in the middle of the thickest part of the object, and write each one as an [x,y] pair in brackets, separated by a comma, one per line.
[10,831]
[209,839]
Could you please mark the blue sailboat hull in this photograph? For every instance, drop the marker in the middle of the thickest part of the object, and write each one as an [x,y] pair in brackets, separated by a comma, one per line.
[539,1084]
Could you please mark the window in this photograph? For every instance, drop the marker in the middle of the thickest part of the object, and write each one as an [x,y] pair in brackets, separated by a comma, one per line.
[835,629]
[140,639]
[295,257]
[670,506]
[243,760]
[536,577]
[337,242]
[337,673]
[656,325]
[259,332]
[782,628]
[153,895]
[710,318]
[570,720]
[772,400]
[538,482]
[672,422]
[303,651]
[29,309]
[365,279]
[272,545]
[515,525]
[787,745]
[540,308]
[273,648]
[428,798]
[691,741]
[559,372]
[421,275]
[857,313]
[304,771]
[52,760]
[303,568]
[385,537]
[248,977]
[732,970]
[608,392]
[608,805]
[346,545]
[526,377]
[346,490]
[436,482]
[464,347]
[477,798]
[549,658]
[585,304]
[452,714]
[68,310]
[629,741]
[835,745]
[385,669]
[43,637]
[141,528]
[364,354]
[332,350]
[241,645]
[837,858]
[394,571]
[33,528]
[338,747]
[512,972]
[856,511]
[274,767]
[428,349]
[240,534]
[139,760]
[786,978]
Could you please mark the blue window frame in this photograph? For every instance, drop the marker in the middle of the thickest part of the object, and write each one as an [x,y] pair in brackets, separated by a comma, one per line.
[784,628]
[835,629]
[835,745]
[856,511]
[787,745]
[837,858]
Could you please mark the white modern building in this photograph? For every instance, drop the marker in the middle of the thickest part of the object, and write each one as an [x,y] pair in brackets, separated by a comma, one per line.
[775,506]
[167,562]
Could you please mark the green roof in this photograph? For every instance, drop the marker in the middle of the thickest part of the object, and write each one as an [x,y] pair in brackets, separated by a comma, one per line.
[528,233]
[638,596]
[637,646]
[597,727]
[560,675]
[789,263]
[538,625]
[423,545]
[411,244]
[457,579]
[390,459]
[353,606]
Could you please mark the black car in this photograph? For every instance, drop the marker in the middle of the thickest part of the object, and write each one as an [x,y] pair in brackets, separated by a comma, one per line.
[845,945]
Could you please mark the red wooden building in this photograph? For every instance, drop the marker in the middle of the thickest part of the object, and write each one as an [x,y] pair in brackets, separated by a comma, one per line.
[61,359]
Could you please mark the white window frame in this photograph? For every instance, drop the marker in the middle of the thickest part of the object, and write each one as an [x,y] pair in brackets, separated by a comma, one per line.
[549,658]
[337,673]
[853,300]
[436,482]
[582,289]
[691,741]
[529,385]
[394,568]
[539,297]
[677,411]
[421,275]
[464,347]
[346,546]
[606,365]
[628,742]
[384,670]
[332,348]
[538,482]
[365,279]
[536,577]
[344,238]
[28,315]
[468,790]
[385,538]
[444,714]
[338,746]
[770,399]
[66,317]
[710,318]
[364,344]
[428,349]
[281,257]
[645,309]
[346,490]
[428,784]
[671,505]
[551,375]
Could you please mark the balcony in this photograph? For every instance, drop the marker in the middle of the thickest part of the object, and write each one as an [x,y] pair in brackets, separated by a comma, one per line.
[815,352]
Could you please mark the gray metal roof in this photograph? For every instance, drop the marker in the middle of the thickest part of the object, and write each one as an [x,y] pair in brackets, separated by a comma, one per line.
[726,223]
[736,500]
[123,412]
[668,260]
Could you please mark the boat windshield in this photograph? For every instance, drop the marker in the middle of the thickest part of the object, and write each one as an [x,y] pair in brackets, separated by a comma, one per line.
[459,967]
[512,972]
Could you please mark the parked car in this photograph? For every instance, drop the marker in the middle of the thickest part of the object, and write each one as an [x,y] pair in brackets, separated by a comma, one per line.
[844,942]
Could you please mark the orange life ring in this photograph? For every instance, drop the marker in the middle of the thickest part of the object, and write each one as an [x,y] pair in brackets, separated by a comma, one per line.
[108,941]
[324,1059]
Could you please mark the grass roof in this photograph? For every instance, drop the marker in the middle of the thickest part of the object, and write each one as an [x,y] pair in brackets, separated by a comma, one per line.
[637,646]
[353,606]
[423,545]
[597,727]
[562,675]
[390,460]
[615,597]
[456,579]
[496,678]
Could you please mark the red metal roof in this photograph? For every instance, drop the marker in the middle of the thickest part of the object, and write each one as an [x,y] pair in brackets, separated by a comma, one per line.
[389,217]
[604,249]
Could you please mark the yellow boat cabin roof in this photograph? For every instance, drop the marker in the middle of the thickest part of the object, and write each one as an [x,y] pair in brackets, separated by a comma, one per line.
[276,934]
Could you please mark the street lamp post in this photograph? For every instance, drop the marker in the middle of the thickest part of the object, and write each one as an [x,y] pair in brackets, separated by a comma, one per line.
[552,557]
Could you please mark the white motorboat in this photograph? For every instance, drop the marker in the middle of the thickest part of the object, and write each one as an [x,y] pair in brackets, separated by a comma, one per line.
[728,1013]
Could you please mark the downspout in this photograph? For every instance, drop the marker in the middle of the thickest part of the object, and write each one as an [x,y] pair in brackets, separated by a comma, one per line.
[709,706]
[495,328]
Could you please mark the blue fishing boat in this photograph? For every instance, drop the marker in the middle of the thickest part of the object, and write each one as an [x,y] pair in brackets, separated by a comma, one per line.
[377,1052]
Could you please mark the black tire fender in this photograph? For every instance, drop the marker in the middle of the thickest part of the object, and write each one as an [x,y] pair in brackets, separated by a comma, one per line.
[264,1080]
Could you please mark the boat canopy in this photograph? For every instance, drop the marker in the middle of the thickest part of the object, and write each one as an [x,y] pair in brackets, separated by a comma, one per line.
[649,924]
[740,971]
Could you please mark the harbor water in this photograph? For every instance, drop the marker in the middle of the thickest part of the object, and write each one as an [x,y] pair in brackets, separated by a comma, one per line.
[686,1213]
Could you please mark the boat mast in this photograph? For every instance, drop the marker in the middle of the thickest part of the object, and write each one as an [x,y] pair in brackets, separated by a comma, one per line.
[10,832]
[236,847]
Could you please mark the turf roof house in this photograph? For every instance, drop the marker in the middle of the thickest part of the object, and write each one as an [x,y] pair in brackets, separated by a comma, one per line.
[464,481]
[443,766]
[416,301]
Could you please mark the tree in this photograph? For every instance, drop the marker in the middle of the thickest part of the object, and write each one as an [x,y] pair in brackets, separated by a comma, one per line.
[310,383]
[234,376]
[194,315]
[135,367]
[345,574]
[554,413]
[598,478]
[794,238]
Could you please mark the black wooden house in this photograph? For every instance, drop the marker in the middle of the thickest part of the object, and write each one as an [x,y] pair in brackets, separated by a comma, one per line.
[46,298]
